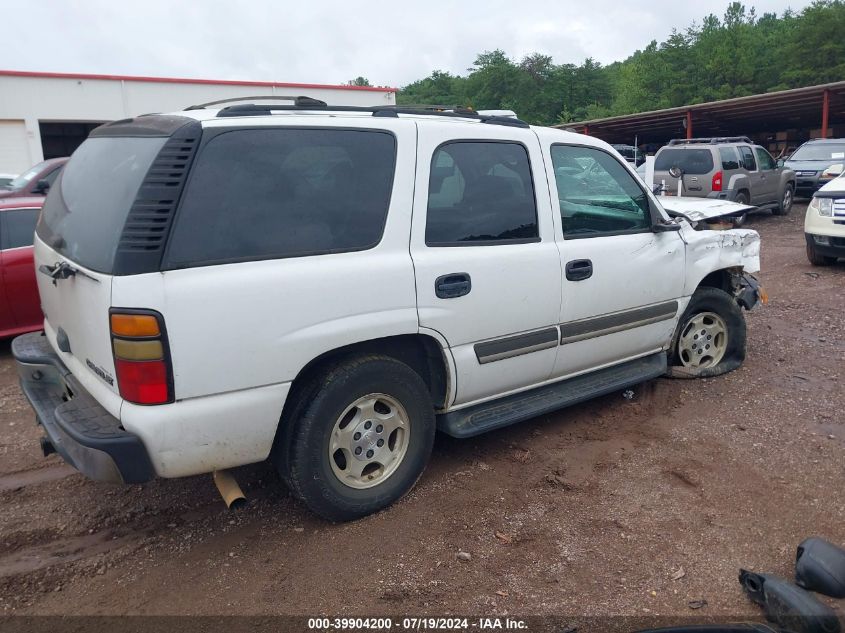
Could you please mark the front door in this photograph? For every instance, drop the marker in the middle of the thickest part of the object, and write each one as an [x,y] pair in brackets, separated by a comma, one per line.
[622,282]
[486,263]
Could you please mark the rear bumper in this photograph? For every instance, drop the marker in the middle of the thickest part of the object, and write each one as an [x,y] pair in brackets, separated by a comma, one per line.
[82,432]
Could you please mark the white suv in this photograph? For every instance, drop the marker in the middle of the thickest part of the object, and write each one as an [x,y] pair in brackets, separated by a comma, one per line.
[327,286]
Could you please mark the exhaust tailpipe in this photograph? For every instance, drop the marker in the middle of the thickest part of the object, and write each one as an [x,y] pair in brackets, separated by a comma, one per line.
[229,489]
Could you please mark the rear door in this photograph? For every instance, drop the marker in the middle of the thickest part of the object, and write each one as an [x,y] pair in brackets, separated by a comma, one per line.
[755,184]
[623,283]
[487,267]
[16,236]
[769,177]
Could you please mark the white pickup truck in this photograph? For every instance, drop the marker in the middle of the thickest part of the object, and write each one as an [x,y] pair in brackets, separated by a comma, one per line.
[325,286]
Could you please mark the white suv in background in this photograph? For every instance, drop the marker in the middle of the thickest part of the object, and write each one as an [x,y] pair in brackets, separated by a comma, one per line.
[327,286]
[824,224]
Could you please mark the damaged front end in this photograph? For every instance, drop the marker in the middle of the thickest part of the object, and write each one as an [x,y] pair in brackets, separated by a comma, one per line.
[733,254]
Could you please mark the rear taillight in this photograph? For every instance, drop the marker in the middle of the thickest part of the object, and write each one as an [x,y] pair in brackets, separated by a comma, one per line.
[717,181]
[141,356]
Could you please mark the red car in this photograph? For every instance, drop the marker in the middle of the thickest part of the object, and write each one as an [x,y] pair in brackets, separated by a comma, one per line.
[35,181]
[20,307]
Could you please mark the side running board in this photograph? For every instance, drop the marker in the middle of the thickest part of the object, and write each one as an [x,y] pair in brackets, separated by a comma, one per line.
[522,406]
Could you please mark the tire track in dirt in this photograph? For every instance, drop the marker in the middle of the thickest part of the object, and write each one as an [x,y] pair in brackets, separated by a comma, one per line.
[23,478]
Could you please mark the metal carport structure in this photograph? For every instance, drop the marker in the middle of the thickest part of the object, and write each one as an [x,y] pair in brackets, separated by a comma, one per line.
[814,108]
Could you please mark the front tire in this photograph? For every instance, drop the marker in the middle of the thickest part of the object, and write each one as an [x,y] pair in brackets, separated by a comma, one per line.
[711,336]
[362,440]
[816,258]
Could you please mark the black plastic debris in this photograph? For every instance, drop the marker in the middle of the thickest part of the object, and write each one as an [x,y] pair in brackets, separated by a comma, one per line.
[787,605]
[820,567]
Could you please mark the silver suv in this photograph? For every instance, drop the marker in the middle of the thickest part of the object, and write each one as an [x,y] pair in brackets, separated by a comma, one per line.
[729,168]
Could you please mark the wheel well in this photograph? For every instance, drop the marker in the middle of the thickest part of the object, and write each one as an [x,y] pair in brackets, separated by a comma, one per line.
[421,353]
[721,279]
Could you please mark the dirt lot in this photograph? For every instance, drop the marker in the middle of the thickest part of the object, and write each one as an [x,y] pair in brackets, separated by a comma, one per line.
[592,510]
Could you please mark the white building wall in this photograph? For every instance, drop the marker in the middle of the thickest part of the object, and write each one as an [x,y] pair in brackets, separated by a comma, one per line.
[27,99]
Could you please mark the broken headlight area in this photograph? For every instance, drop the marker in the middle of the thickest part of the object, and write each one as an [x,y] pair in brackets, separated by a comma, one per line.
[747,290]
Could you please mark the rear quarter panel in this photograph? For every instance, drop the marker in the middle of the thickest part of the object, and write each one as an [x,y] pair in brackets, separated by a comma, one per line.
[251,324]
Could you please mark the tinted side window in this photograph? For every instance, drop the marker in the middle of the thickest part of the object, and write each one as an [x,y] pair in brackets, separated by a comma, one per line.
[480,192]
[18,227]
[729,158]
[597,194]
[765,159]
[748,161]
[273,193]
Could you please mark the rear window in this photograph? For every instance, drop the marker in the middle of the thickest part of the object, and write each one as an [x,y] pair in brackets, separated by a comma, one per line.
[692,161]
[86,209]
[480,193]
[274,193]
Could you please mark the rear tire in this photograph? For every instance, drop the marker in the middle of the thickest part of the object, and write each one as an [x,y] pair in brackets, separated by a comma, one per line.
[786,201]
[711,336]
[817,259]
[741,198]
[361,440]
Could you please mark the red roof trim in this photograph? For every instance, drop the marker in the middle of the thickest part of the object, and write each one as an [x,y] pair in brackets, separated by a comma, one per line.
[176,80]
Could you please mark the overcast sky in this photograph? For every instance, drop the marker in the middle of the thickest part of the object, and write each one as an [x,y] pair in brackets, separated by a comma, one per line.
[328,41]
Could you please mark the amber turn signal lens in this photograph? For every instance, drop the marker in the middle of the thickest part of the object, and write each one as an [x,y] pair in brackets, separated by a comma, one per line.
[138,350]
[134,325]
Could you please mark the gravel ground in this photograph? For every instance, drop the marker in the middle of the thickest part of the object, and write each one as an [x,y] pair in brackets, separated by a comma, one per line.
[620,507]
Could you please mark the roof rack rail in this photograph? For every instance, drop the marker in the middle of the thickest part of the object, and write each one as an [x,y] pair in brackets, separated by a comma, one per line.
[712,140]
[304,104]
[300,100]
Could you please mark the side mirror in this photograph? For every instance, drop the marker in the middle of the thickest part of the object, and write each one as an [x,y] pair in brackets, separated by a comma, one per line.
[676,172]
[665,227]
[42,186]
[780,163]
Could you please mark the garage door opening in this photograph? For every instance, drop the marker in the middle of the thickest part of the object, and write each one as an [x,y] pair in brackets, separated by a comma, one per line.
[61,139]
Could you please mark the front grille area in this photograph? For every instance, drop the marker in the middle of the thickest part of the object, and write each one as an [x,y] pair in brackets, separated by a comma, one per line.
[839,208]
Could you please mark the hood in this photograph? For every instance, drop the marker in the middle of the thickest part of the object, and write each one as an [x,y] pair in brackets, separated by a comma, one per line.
[697,209]
[812,165]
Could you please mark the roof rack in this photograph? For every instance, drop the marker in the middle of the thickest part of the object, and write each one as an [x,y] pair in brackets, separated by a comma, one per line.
[303,103]
[300,100]
[712,140]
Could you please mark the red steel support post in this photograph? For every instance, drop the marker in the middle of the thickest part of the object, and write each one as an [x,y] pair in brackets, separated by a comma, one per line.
[825,112]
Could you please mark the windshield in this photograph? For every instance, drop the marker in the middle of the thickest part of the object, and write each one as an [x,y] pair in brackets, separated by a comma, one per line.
[25,178]
[692,161]
[820,151]
[86,210]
